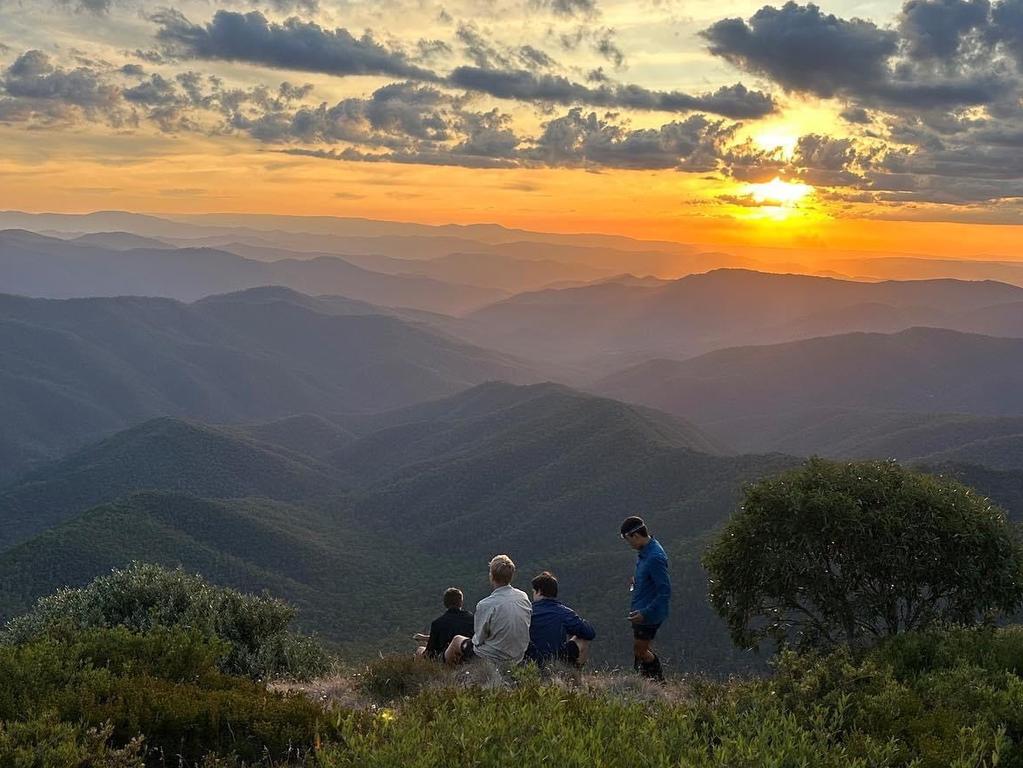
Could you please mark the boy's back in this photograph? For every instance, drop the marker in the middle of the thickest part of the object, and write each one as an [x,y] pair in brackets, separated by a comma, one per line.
[502,625]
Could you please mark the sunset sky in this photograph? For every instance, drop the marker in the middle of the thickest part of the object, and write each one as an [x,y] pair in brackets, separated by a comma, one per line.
[852,125]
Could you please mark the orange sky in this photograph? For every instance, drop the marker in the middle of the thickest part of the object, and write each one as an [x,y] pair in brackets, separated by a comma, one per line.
[675,118]
[653,205]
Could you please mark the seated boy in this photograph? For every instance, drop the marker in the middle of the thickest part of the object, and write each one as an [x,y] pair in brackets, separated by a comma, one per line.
[556,631]
[454,621]
[501,623]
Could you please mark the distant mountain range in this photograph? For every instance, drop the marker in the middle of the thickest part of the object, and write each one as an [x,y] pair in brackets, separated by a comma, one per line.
[727,308]
[76,370]
[47,267]
[849,395]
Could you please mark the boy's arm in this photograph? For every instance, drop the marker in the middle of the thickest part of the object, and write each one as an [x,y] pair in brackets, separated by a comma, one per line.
[431,644]
[481,625]
[577,626]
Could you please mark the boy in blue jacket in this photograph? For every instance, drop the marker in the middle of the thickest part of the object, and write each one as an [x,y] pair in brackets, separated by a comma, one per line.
[555,631]
[651,593]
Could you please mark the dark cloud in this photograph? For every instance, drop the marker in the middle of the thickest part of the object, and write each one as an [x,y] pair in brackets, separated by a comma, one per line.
[1007,27]
[584,139]
[573,140]
[940,91]
[855,115]
[36,89]
[937,29]
[510,73]
[731,101]
[605,46]
[803,49]
[480,49]
[156,91]
[428,50]
[487,54]
[939,58]
[567,8]
[292,44]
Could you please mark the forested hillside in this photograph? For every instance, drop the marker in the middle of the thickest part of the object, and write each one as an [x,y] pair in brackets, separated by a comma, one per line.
[366,538]
[76,370]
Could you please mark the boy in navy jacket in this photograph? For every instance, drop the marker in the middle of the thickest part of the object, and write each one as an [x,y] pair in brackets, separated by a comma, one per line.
[555,632]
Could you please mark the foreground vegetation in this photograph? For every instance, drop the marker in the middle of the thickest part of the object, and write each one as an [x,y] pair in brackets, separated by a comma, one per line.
[151,667]
[117,699]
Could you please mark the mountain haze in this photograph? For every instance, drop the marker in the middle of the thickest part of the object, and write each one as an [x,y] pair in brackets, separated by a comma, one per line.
[718,309]
[47,267]
[843,382]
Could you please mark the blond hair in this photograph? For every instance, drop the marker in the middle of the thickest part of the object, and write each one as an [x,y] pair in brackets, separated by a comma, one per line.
[502,570]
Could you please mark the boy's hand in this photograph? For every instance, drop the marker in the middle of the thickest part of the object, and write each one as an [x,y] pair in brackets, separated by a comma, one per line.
[635,617]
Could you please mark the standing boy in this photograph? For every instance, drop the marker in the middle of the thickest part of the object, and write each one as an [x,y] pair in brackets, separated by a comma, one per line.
[651,593]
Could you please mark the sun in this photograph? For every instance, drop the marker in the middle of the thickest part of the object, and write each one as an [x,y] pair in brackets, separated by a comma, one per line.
[784,194]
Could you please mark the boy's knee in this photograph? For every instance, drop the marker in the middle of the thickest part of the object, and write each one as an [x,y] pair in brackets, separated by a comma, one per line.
[453,653]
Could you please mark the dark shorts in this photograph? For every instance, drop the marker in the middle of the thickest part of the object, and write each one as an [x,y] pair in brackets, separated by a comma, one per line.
[645,631]
[569,653]
[468,651]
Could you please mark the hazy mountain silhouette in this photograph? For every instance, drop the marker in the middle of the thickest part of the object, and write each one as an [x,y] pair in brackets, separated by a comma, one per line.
[717,309]
[46,267]
[814,390]
[79,369]
[120,241]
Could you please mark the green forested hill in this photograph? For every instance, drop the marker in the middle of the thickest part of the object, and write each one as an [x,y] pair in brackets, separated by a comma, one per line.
[543,473]
[164,454]
[77,370]
[325,564]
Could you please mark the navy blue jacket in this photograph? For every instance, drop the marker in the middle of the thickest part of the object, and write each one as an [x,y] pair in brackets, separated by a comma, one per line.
[552,624]
[651,590]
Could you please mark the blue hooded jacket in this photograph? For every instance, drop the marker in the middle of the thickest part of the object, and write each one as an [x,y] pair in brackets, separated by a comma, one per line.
[651,591]
[552,624]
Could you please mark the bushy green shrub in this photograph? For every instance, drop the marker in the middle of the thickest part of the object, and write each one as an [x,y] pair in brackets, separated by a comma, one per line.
[394,677]
[46,742]
[930,694]
[164,685]
[851,553]
[142,597]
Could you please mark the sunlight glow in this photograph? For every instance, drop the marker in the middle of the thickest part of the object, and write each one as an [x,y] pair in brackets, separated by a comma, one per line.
[784,194]
[784,144]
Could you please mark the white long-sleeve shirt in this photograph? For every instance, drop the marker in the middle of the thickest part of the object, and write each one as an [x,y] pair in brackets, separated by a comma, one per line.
[502,626]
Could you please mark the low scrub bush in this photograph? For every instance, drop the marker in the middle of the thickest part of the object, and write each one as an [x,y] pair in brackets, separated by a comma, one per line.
[931,694]
[143,597]
[394,677]
[46,742]
[165,686]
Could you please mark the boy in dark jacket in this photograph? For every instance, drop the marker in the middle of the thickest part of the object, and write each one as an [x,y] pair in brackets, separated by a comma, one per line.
[651,593]
[454,621]
[556,632]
